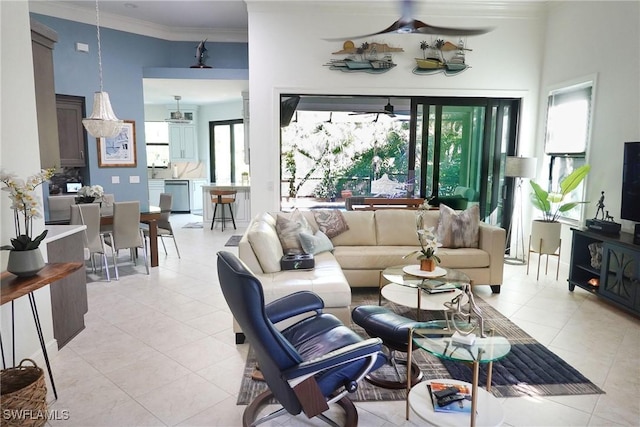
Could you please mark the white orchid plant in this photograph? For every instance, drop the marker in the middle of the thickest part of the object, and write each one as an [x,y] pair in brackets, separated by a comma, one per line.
[25,206]
[95,191]
[427,238]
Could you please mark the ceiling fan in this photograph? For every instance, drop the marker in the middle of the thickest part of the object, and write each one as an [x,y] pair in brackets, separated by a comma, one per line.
[388,110]
[407,25]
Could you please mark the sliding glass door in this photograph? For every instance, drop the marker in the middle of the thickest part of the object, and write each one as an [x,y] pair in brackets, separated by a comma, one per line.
[227,151]
[460,145]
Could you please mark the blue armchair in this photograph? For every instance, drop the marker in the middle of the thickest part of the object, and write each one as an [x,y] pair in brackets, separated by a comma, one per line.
[308,365]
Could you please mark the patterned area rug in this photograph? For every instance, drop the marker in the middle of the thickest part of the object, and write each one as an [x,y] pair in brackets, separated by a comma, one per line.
[193,225]
[234,240]
[530,369]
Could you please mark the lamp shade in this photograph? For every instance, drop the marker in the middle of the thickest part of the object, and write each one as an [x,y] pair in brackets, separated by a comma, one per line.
[103,122]
[520,167]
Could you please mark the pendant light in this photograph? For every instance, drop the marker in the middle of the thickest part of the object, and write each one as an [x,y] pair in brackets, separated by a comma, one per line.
[177,116]
[103,122]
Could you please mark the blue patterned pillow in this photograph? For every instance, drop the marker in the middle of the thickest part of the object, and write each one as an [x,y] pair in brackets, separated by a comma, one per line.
[315,244]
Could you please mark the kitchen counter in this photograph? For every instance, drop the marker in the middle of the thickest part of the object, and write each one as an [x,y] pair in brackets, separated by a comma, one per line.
[230,185]
[241,208]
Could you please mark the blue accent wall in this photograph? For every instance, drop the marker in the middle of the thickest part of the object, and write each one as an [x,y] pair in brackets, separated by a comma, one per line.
[124,57]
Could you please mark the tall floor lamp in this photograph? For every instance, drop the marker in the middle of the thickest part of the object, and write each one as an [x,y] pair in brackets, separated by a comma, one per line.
[519,168]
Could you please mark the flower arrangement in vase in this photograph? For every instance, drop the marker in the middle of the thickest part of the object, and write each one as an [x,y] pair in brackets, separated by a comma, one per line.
[25,259]
[428,244]
[90,194]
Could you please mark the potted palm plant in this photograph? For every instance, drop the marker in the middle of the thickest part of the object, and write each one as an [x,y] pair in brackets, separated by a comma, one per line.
[545,232]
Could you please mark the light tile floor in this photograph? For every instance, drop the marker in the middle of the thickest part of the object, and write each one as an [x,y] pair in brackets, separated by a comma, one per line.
[159,350]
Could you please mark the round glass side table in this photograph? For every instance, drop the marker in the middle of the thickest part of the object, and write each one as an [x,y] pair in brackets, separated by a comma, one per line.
[483,350]
[417,292]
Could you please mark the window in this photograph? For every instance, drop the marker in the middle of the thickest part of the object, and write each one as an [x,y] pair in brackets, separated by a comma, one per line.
[567,136]
[157,144]
[568,119]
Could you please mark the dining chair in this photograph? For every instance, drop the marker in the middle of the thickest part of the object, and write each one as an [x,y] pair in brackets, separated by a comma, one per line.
[88,214]
[223,198]
[164,225]
[126,233]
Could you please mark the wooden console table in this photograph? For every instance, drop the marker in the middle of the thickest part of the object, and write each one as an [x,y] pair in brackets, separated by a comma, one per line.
[375,203]
[14,287]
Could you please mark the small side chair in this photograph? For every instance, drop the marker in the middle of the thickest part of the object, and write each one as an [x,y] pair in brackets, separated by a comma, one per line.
[164,225]
[126,232]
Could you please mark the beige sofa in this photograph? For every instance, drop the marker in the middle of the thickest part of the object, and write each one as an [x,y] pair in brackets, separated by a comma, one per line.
[374,241]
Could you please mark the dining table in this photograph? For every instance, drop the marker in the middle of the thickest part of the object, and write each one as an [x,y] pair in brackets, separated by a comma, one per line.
[149,217]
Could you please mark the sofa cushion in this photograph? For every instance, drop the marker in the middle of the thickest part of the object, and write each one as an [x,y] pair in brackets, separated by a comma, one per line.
[459,229]
[326,279]
[289,229]
[330,221]
[396,227]
[264,241]
[362,229]
[315,243]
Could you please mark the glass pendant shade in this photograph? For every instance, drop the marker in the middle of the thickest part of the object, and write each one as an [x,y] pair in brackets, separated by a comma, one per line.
[103,122]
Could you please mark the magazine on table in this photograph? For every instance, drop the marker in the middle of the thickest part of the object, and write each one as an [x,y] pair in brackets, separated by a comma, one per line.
[434,286]
[448,397]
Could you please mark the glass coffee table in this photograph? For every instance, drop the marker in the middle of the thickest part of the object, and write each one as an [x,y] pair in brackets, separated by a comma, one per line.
[484,407]
[413,289]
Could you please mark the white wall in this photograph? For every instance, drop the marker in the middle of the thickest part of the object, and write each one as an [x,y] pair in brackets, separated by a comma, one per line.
[601,38]
[287,53]
[19,153]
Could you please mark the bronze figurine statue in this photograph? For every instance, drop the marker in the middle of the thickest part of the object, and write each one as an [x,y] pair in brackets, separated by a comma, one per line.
[201,55]
[600,206]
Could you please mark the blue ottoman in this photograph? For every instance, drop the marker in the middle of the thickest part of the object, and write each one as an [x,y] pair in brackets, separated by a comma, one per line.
[393,330]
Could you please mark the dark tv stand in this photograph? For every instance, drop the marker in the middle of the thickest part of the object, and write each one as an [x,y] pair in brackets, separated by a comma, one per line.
[617,277]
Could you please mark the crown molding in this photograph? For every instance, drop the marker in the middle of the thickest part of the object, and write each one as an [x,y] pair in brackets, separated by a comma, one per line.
[454,8]
[136,26]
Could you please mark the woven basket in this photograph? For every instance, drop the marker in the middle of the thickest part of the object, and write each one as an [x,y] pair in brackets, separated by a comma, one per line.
[24,396]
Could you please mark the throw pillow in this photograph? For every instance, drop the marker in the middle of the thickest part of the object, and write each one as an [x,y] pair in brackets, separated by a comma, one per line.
[459,229]
[315,243]
[331,222]
[289,229]
[265,244]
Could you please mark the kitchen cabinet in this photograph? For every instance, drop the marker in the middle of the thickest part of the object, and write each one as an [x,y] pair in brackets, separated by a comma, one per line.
[245,120]
[71,133]
[183,143]
[69,301]
[196,195]
[42,40]
[156,187]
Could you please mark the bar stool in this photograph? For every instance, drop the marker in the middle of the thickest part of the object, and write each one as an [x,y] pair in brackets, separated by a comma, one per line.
[223,197]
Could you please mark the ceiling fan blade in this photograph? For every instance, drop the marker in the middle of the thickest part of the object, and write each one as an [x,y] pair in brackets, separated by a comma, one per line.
[418,27]
[422,28]
[393,28]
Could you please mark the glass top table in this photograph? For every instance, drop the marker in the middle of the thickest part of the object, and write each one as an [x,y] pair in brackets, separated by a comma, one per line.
[413,291]
[483,350]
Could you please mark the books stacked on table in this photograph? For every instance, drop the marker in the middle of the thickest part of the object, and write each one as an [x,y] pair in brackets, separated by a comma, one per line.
[453,398]
[434,286]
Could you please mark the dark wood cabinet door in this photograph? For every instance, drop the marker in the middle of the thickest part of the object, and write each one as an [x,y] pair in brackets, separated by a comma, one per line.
[71,134]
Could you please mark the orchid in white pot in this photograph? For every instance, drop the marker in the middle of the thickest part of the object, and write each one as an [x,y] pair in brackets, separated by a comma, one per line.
[25,207]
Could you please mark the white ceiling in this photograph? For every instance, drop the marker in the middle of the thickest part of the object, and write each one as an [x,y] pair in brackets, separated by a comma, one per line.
[195,92]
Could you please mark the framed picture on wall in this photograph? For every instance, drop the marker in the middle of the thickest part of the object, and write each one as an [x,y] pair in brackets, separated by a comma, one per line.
[119,151]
